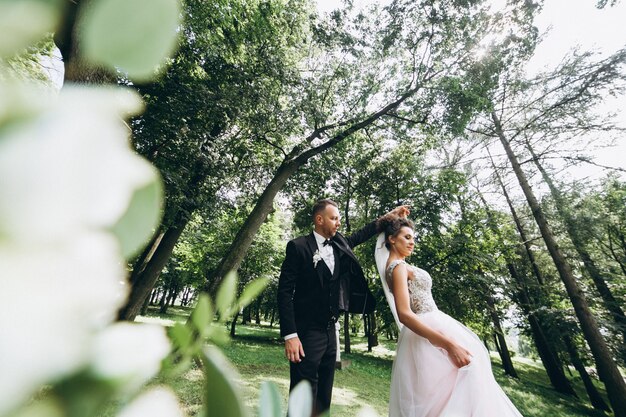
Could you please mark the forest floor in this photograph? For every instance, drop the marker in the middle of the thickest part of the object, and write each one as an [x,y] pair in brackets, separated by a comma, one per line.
[257,353]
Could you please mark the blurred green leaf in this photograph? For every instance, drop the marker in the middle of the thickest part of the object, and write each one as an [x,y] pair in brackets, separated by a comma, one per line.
[221,395]
[140,220]
[47,407]
[134,35]
[24,22]
[202,314]
[181,335]
[219,335]
[252,290]
[226,296]
[301,400]
[269,400]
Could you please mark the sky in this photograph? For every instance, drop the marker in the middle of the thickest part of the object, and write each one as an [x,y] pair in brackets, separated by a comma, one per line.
[567,24]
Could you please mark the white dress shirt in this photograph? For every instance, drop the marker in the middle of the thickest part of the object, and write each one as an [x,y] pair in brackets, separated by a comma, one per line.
[328,256]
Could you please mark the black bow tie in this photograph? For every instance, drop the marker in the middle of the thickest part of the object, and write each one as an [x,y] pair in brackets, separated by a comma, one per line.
[328,242]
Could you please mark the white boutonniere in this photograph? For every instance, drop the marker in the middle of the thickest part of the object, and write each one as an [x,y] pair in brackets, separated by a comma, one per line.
[316,258]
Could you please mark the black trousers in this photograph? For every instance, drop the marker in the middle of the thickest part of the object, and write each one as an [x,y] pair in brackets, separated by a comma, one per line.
[317,366]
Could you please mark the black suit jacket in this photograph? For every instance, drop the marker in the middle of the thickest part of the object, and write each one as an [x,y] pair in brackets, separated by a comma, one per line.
[303,298]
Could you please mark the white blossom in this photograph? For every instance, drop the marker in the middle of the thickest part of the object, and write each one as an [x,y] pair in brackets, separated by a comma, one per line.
[52,301]
[67,175]
[70,167]
[129,353]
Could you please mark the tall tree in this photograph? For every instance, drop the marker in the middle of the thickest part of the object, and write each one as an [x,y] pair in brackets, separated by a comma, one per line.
[368,77]
[545,348]
[559,97]
[609,300]
[202,126]
[607,368]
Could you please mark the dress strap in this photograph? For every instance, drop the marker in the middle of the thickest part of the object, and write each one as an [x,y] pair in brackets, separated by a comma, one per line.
[392,266]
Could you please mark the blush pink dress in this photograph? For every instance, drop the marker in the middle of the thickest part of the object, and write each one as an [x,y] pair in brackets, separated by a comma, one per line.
[424,382]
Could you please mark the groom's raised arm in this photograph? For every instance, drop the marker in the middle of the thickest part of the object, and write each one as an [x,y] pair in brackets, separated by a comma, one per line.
[286,287]
[362,235]
[369,230]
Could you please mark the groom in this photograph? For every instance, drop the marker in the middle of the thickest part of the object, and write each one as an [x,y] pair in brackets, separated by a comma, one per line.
[321,277]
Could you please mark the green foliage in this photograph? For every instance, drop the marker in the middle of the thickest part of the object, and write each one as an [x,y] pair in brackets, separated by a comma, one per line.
[28,64]
[208,118]
[27,21]
[133,35]
[92,384]
[269,401]
[226,295]
[140,220]
[251,291]
[221,396]
[300,400]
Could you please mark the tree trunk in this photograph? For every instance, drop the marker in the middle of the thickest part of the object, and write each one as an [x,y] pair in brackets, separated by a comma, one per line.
[162,303]
[240,245]
[619,259]
[546,350]
[77,70]
[505,355]
[346,332]
[594,396]
[372,336]
[144,282]
[518,224]
[292,162]
[144,307]
[609,301]
[185,300]
[257,311]
[245,316]
[233,324]
[346,210]
[366,331]
[607,368]
[497,344]
[486,344]
[173,296]
[140,264]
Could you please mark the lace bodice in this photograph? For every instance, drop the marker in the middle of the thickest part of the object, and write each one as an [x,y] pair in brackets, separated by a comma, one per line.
[419,283]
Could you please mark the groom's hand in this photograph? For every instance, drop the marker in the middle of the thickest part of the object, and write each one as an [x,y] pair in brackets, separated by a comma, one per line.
[293,350]
[401,211]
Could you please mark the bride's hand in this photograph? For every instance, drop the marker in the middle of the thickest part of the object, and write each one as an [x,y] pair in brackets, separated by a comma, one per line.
[401,211]
[459,356]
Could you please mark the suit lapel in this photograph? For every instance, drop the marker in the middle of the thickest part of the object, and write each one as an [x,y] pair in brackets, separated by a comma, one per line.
[319,269]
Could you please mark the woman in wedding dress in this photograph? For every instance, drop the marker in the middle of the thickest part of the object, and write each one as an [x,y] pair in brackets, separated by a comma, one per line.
[441,367]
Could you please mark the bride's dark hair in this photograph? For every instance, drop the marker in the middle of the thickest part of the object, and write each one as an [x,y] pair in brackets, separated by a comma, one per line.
[391,225]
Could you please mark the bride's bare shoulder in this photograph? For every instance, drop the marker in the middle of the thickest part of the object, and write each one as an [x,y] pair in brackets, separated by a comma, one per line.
[402,267]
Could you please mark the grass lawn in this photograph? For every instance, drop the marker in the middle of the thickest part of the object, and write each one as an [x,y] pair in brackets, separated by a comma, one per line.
[257,353]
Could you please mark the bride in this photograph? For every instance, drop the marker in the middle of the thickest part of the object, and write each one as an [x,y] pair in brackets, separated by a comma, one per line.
[441,367]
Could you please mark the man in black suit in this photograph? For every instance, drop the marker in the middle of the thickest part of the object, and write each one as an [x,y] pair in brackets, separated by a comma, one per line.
[321,277]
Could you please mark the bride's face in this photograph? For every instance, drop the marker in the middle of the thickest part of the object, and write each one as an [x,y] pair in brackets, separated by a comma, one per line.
[403,242]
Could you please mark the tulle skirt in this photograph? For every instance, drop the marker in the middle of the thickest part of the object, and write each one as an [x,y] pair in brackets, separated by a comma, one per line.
[425,383]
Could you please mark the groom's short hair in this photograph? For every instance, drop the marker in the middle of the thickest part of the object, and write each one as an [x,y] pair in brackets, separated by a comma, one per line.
[320,205]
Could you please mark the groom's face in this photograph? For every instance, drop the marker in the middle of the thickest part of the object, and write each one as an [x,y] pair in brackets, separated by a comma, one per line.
[328,221]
